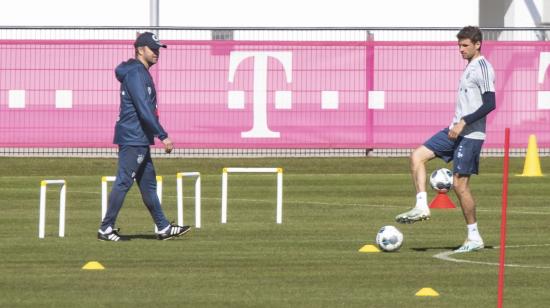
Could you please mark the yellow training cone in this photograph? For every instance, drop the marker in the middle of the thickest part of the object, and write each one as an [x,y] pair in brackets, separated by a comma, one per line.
[427,292]
[532,161]
[93,265]
[369,248]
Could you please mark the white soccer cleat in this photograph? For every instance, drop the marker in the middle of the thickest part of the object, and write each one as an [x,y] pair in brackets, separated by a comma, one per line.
[412,216]
[470,245]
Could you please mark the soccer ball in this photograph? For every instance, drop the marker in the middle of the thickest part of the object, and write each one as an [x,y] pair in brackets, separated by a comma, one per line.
[389,238]
[442,180]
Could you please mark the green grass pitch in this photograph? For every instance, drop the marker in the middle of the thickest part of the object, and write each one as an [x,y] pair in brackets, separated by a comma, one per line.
[331,208]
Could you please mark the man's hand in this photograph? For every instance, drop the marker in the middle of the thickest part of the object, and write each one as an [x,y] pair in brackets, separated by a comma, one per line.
[455,131]
[168,145]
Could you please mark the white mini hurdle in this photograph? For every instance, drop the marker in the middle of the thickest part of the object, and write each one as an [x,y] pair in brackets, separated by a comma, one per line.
[105,193]
[179,183]
[42,214]
[279,171]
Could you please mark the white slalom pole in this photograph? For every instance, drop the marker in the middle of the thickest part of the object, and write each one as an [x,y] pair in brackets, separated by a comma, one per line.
[279,195]
[224,196]
[42,217]
[198,202]
[179,192]
[103,197]
[62,199]
[159,194]
[105,194]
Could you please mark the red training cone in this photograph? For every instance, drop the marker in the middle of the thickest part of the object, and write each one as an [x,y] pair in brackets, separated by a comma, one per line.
[442,201]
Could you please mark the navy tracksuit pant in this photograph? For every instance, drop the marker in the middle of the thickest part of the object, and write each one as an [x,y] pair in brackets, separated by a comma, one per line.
[134,162]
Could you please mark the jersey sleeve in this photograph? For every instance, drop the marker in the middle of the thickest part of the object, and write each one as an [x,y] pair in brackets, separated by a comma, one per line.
[485,77]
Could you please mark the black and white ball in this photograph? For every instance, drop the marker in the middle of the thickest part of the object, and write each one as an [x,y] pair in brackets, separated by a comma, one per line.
[442,180]
[389,238]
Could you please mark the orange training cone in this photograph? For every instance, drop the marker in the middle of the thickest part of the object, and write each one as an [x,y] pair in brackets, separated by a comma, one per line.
[442,201]
[532,161]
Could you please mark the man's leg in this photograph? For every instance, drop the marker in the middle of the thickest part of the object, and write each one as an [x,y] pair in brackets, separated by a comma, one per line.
[417,162]
[127,166]
[438,145]
[147,181]
[462,189]
[467,159]
[128,163]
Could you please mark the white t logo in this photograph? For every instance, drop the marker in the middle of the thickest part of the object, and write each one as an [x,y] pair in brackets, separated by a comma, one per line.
[236,98]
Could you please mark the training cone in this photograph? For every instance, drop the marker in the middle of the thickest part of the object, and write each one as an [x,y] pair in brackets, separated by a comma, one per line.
[532,161]
[369,248]
[442,201]
[427,292]
[93,265]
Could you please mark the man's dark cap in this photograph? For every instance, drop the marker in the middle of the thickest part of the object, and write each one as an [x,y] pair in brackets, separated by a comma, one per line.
[150,40]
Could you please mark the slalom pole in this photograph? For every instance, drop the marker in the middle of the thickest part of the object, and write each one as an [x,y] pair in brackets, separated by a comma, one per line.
[503,220]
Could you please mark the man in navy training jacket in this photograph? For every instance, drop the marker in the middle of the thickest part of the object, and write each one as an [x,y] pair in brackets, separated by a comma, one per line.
[137,126]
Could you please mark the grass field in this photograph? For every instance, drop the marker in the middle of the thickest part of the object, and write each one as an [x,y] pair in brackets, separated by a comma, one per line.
[332,207]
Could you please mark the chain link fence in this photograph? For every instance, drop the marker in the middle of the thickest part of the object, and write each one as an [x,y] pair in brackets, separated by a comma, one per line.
[71,68]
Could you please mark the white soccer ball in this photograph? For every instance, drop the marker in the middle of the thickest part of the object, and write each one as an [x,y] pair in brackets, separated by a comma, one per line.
[442,180]
[389,238]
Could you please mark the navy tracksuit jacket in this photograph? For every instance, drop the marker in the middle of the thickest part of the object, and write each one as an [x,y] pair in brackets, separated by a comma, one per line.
[138,122]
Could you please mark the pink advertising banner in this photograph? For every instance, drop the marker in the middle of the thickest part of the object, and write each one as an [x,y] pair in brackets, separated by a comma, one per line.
[240,94]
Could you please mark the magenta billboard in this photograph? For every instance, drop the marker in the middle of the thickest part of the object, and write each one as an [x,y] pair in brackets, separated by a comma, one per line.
[268,94]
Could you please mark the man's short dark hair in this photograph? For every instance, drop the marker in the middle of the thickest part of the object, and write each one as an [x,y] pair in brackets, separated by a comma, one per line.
[470,32]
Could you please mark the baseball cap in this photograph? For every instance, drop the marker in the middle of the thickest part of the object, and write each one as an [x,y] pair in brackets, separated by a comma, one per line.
[148,39]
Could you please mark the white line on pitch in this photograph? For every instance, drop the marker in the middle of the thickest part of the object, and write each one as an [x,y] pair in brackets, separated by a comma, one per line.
[332,203]
[513,212]
[286,201]
[447,256]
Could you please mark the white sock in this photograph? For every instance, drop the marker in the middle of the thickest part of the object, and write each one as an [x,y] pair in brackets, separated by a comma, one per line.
[473,233]
[163,230]
[422,200]
[108,230]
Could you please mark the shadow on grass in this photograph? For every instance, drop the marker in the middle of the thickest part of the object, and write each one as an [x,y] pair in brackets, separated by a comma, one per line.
[441,248]
[141,236]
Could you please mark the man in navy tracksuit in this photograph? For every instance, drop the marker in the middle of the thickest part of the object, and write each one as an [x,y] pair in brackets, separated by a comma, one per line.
[135,130]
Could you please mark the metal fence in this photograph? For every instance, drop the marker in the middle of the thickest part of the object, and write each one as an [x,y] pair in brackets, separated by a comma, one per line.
[327,91]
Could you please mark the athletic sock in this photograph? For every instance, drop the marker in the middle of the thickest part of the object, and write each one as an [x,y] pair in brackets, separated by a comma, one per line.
[422,200]
[473,233]
[164,230]
[108,230]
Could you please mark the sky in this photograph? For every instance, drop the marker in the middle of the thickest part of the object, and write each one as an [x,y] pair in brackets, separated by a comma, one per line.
[214,13]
